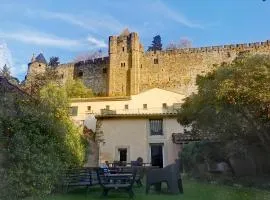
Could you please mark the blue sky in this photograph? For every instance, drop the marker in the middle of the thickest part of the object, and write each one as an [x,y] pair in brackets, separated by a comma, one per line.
[69,28]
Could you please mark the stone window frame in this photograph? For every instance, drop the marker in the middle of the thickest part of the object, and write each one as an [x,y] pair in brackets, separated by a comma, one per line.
[126,106]
[155,61]
[116,155]
[107,107]
[145,106]
[88,108]
[164,105]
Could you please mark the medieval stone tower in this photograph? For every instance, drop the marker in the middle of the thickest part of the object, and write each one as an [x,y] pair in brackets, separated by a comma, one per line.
[37,65]
[125,53]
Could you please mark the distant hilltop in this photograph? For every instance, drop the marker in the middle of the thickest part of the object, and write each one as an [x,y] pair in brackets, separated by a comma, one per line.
[129,70]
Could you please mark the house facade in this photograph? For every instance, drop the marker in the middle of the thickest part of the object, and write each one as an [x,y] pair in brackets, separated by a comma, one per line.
[136,126]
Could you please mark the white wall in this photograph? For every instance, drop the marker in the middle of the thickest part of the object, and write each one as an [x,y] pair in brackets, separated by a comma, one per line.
[135,135]
[123,133]
[154,98]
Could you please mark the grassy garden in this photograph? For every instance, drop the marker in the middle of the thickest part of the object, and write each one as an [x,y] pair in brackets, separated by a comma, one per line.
[193,190]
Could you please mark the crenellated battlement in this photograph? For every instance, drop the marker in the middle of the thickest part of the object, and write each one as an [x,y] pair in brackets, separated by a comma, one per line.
[235,47]
[129,69]
[96,61]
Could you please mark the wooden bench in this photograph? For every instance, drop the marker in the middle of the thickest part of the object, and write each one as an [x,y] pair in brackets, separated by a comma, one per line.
[79,177]
[119,181]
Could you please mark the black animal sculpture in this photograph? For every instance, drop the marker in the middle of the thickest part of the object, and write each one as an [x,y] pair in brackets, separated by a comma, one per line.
[169,174]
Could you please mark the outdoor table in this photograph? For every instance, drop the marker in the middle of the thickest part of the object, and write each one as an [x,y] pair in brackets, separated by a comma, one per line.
[123,181]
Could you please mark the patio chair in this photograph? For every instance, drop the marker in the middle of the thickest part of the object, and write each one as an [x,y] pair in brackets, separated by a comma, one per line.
[169,174]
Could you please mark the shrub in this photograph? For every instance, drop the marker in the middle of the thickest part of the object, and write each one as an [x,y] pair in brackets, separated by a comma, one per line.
[40,142]
[195,153]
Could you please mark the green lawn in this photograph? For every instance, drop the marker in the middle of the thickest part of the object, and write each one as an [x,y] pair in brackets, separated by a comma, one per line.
[192,191]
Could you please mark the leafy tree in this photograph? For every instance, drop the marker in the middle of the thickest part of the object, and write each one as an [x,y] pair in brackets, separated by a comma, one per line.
[34,85]
[156,44]
[233,102]
[54,62]
[76,89]
[38,142]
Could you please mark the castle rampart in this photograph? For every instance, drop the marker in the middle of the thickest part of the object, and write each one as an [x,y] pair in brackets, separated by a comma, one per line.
[129,70]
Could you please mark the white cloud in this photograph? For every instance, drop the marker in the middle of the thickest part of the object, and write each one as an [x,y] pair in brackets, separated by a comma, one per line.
[19,70]
[39,38]
[6,58]
[5,55]
[92,21]
[62,16]
[96,43]
[175,16]
[43,39]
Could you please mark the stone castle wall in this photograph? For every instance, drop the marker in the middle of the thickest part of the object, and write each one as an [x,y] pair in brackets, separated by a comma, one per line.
[129,70]
[66,71]
[177,69]
[94,74]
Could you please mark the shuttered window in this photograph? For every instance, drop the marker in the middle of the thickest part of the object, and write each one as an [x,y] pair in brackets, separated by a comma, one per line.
[156,126]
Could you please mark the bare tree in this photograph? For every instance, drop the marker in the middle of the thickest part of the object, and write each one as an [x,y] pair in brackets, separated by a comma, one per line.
[89,55]
[171,46]
[182,44]
[185,43]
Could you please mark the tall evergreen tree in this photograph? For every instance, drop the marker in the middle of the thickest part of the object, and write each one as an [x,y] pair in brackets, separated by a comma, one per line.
[5,72]
[54,62]
[156,44]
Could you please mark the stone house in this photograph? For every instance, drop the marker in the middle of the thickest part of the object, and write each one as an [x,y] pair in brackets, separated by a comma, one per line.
[136,126]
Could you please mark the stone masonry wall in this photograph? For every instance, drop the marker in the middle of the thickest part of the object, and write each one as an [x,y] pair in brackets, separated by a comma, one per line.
[177,69]
[94,74]
[119,67]
[66,71]
[128,70]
